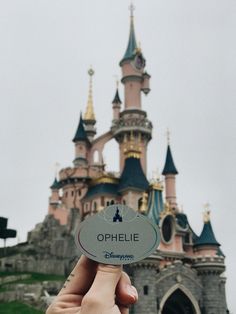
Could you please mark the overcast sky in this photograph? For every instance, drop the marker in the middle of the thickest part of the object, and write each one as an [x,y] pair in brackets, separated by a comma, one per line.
[46,48]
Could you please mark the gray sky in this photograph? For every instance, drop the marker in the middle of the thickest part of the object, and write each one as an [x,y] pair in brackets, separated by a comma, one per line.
[46,48]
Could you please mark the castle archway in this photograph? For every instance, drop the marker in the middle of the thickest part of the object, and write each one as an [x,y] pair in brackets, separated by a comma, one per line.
[179,300]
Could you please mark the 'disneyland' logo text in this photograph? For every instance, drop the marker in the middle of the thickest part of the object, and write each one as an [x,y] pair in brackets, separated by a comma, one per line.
[121,257]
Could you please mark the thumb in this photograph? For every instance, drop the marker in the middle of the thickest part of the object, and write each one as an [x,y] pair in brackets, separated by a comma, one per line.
[104,286]
[106,280]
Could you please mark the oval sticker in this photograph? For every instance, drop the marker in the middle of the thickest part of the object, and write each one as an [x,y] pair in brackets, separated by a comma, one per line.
[117,235]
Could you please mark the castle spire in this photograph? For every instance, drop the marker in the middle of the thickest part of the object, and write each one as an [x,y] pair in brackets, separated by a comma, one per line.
[116,100]
[89,114]
[132,43]
[116,103]
[170,172]
[133,118]
[207,236]
[55,185]
[80,134]
[169,167]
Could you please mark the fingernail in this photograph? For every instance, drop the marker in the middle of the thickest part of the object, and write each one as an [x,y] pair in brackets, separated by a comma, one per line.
[132,292]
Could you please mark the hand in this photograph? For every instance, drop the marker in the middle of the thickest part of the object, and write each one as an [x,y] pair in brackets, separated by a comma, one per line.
[94,288]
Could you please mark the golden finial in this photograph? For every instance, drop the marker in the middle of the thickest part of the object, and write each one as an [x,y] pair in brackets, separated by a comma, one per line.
[89,114]
[156,182]
[206,213]
[139,49]
[144,203]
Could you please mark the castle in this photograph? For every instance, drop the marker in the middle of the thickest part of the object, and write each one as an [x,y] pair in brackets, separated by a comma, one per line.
[186,273]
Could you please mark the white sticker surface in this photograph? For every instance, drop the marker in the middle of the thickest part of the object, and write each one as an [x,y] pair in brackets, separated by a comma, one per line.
[117,235]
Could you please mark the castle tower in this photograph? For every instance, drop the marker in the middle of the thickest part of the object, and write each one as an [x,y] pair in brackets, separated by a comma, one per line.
[81,144]
[170,172]
[89,116]
[135,81]
[209,264]
[55,207]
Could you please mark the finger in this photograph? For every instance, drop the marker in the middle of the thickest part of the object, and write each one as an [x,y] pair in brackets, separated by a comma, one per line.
[126,294]
[102,292]
[81,278]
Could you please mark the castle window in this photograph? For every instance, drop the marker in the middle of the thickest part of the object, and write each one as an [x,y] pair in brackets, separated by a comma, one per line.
[79,192]
[145,290]
[72,193]
[187,238]
[66,194]
[112,202]
[108,203]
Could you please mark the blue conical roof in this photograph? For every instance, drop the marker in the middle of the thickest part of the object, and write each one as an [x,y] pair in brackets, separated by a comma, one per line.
[55,185]
[169,167]
[132,44]
[116,99]
[133,176]
[80,134]
[207,236]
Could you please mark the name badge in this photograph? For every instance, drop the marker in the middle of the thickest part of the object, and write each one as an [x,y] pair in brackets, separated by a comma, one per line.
[117,235]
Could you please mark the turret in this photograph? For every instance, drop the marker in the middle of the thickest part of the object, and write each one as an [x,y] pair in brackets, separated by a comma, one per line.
[116,104]
[54,198]
[210,268]
[89,116]
[170,172]
[81,144]
[206,243]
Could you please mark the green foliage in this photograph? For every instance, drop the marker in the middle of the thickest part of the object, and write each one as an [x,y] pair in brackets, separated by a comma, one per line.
[17,307]
[34,278]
